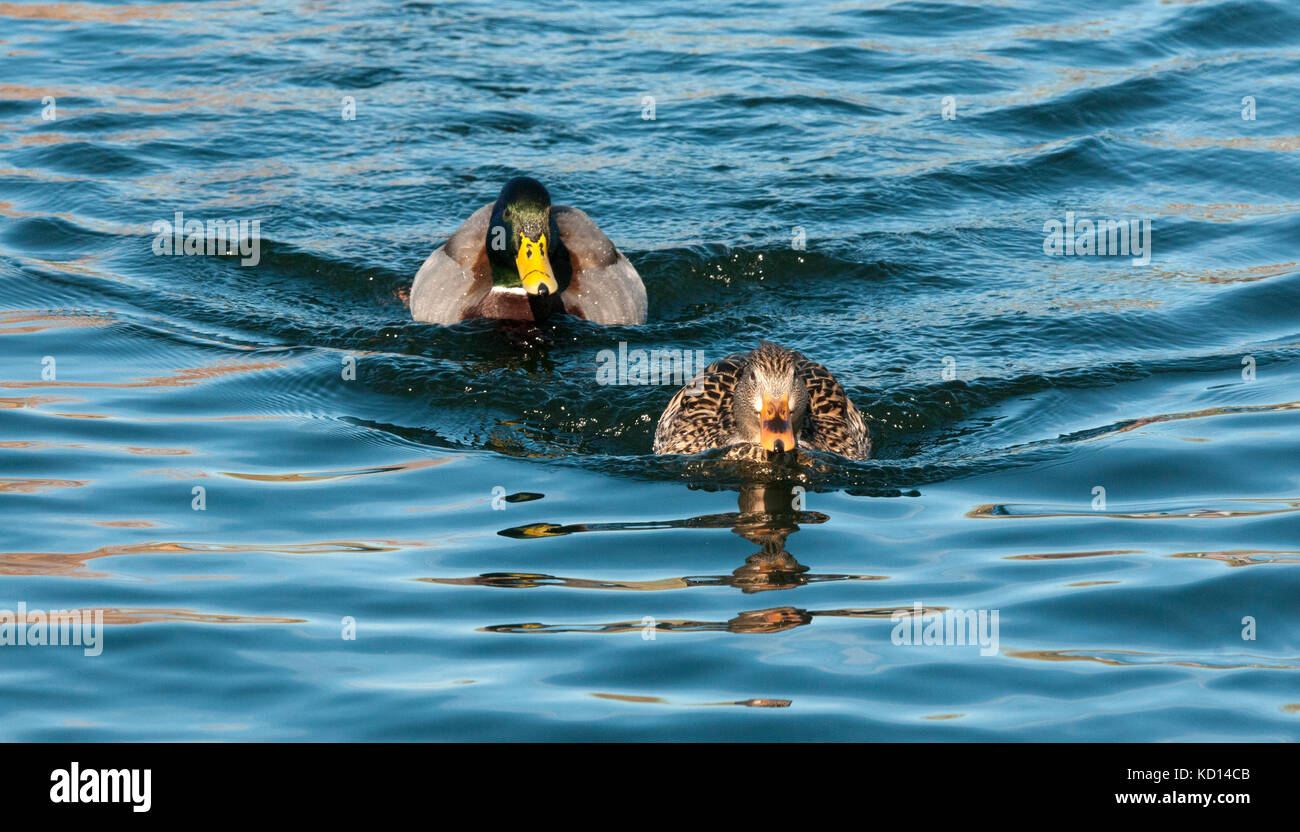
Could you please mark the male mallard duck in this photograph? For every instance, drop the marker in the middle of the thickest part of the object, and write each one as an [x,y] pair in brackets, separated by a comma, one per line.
[772,398]
[522,259]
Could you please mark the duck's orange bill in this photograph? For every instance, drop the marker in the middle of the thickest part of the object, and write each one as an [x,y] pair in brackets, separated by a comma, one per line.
[535,266]
[774,429]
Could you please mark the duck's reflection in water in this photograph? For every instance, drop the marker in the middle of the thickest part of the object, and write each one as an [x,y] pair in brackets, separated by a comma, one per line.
[768,514]
[771,620]
[767,517]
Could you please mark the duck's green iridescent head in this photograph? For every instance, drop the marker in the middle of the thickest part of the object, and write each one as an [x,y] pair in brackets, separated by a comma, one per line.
[521,238]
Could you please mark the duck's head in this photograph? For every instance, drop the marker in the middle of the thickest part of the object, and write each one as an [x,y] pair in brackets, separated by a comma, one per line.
[770,401]
[523,242]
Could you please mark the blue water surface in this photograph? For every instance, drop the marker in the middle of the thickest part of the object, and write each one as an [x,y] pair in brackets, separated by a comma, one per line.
[1102,450]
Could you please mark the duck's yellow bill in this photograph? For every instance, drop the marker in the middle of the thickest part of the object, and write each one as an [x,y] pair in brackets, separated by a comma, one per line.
[534,266]
[774,429]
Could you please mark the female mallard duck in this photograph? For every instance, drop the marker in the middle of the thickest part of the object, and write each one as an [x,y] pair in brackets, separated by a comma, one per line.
[523,259]
[771,399]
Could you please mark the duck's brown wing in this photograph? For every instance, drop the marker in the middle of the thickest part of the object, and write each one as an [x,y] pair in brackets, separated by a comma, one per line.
[457,276]
[605,288]
[694,423]
[833,423]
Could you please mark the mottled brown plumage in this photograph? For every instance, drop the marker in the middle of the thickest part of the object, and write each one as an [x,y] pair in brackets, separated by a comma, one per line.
[721,413]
